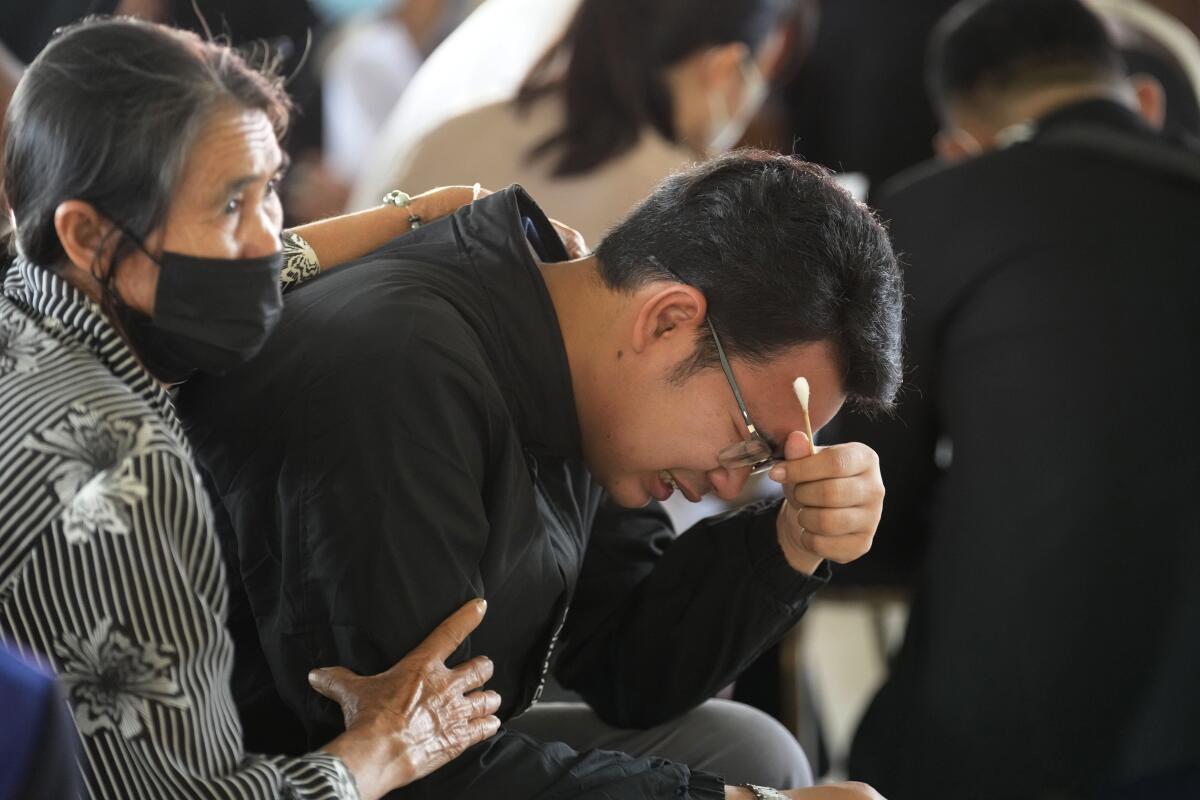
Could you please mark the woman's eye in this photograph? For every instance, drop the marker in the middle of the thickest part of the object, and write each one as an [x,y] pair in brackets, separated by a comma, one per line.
[273,186]
[234,206]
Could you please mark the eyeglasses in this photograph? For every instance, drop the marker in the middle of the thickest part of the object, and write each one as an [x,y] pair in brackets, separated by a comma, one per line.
[755,452]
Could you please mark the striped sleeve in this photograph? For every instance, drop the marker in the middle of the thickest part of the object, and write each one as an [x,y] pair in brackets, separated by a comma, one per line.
[124,593]
[300,262]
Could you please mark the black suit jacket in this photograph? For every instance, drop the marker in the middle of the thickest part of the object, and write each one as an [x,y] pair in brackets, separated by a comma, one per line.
[859,104]
[1053,339]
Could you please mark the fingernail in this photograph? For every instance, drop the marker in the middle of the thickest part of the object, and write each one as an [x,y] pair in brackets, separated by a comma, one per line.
[312,678]
[777,473]
[482,604]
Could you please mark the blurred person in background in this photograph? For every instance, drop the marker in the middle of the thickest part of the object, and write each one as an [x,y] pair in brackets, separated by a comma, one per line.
[376,49]
[1156,44]
[1045,444]
[141,164]
[482,61]
[370,51]
[632,92]
[860,103]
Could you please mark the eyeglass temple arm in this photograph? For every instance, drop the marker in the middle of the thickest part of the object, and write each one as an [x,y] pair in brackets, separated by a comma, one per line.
[737,393]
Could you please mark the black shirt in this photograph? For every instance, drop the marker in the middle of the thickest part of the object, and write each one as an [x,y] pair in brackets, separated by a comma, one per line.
[407,440]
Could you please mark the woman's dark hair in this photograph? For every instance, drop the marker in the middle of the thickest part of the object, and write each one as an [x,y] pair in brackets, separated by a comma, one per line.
[616,53]
[107,113]
[784,257]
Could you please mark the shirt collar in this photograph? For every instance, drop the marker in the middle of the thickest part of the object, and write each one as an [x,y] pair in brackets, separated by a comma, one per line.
[1100,111]
[69,315]
[526,344]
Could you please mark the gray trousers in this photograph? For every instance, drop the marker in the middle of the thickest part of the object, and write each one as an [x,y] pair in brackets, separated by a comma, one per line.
[735,741]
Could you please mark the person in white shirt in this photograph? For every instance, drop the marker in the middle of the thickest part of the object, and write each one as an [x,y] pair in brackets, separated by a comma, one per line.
[631,93]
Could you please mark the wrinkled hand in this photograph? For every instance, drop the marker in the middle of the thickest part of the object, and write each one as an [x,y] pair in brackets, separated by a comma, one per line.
[572,240]
[419,715]
[834,501]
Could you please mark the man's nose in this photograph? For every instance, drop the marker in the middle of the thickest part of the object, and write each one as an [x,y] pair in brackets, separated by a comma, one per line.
[728,483]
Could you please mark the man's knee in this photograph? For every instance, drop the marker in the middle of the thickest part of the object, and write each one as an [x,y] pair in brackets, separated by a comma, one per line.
[749,746]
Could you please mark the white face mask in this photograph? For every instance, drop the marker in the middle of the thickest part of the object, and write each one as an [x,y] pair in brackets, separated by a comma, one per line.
[725,129]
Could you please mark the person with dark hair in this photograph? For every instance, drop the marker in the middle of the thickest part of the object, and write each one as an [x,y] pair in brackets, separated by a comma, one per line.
[632,92]
[992,75]
[140,166]
[1043,445]
[475,415]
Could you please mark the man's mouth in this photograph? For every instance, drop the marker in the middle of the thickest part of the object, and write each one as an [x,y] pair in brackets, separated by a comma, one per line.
[670,483]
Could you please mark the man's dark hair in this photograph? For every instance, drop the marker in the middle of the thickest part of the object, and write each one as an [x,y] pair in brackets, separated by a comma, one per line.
[1005,45]
[783,255]
[108,113]
[616,53]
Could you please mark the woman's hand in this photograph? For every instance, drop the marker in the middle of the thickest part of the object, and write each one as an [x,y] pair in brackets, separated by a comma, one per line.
[419,715]
[448,199]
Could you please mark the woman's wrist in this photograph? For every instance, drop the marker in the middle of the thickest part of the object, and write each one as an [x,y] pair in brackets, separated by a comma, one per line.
[376,762]
[440,202]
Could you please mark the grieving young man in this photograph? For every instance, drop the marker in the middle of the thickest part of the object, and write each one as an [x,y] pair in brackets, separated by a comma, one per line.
[472,415]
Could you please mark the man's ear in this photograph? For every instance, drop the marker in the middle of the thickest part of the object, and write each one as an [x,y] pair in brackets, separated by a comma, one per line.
[721,64]
[1151,99]
[85,235]
[955,144]
[668,314]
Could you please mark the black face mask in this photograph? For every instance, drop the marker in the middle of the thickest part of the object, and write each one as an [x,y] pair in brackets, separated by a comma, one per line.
[210,314]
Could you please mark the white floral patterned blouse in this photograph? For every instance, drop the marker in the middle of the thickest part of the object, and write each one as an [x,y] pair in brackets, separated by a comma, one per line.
[110,572]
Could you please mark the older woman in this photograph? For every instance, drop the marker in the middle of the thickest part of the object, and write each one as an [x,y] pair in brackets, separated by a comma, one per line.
[140,168]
